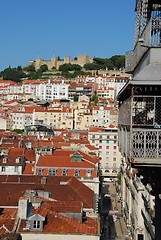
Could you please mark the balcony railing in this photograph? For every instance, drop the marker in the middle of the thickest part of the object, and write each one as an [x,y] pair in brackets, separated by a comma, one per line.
[141,145]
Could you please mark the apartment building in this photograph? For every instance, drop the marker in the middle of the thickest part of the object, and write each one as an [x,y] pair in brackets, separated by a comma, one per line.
[80,88]
[101,116]
[39,89]
[50,91]
[21,118]
[5,122]
[106,140]
[105,93]
[61,118]
[113,83]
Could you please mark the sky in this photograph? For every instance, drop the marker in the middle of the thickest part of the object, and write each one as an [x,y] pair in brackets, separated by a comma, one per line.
[46,28]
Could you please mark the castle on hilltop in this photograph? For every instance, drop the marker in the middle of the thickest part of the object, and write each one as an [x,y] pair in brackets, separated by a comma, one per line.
[55,62]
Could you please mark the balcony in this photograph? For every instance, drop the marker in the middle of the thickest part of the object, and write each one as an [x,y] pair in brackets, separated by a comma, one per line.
[139,138]
[145,145]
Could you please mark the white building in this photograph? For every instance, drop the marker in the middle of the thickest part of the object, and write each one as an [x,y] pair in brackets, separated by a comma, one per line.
[106,140]
[51,91]
[101,116]
[22,118]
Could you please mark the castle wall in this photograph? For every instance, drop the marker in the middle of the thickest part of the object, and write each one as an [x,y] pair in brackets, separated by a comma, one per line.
[54,62]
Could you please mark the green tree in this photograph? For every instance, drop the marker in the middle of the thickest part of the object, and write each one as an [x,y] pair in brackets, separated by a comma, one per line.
[44,68]
[99,61]
[19,68]
[76,98]
[12,74]
[69,67]
[76,67]
[29,68]
[18,130]
[91,66]
[118,61]
[36,75]
[94,99]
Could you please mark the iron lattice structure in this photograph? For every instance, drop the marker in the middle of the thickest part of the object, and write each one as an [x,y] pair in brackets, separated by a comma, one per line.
[148,12]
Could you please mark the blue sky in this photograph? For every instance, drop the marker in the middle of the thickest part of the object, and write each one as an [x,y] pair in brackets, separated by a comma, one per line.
[38,28]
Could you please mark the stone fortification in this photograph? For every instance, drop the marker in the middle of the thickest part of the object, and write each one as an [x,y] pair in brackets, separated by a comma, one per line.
[56,63]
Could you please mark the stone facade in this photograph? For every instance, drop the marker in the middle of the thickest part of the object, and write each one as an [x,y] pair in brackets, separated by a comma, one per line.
[56,63]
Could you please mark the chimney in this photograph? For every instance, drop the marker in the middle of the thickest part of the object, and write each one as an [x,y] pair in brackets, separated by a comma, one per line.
[23,204]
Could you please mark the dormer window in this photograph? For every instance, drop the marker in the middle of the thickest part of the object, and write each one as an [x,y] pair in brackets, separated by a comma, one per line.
[88,173]
[76,174]
[76,157]
[64,172]
[17,159]
[5,160]
[36,224]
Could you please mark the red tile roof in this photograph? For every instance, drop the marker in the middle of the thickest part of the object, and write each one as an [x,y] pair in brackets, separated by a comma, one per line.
[62,160]
[29,168]
[30,155]
[13,187]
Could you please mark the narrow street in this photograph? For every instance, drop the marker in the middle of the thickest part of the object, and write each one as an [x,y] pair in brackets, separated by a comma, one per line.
[112,223]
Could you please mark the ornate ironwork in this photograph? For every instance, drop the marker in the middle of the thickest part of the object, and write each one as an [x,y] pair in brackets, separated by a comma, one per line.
[145,144]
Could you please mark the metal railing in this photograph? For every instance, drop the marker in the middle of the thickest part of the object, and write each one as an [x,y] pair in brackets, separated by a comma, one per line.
[141,143]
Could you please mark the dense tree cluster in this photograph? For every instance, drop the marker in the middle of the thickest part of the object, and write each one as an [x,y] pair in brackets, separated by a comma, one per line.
[14,74]
[67,70]
[115,62]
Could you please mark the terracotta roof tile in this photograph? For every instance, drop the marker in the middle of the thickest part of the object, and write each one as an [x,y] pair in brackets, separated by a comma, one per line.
[30,155]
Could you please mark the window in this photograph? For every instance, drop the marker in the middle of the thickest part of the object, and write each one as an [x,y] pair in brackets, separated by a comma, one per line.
[114,165]
[3,169]
[114,153]
[76,174]
[40,171]
[115,147]
[100,147]
[16,169]
[107,141]
[114,159]
[52,172]
[100,141]
[37,224]
[17,159]
[5,160]
[88,173]
[107,147]
[64,173]
[107,153]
